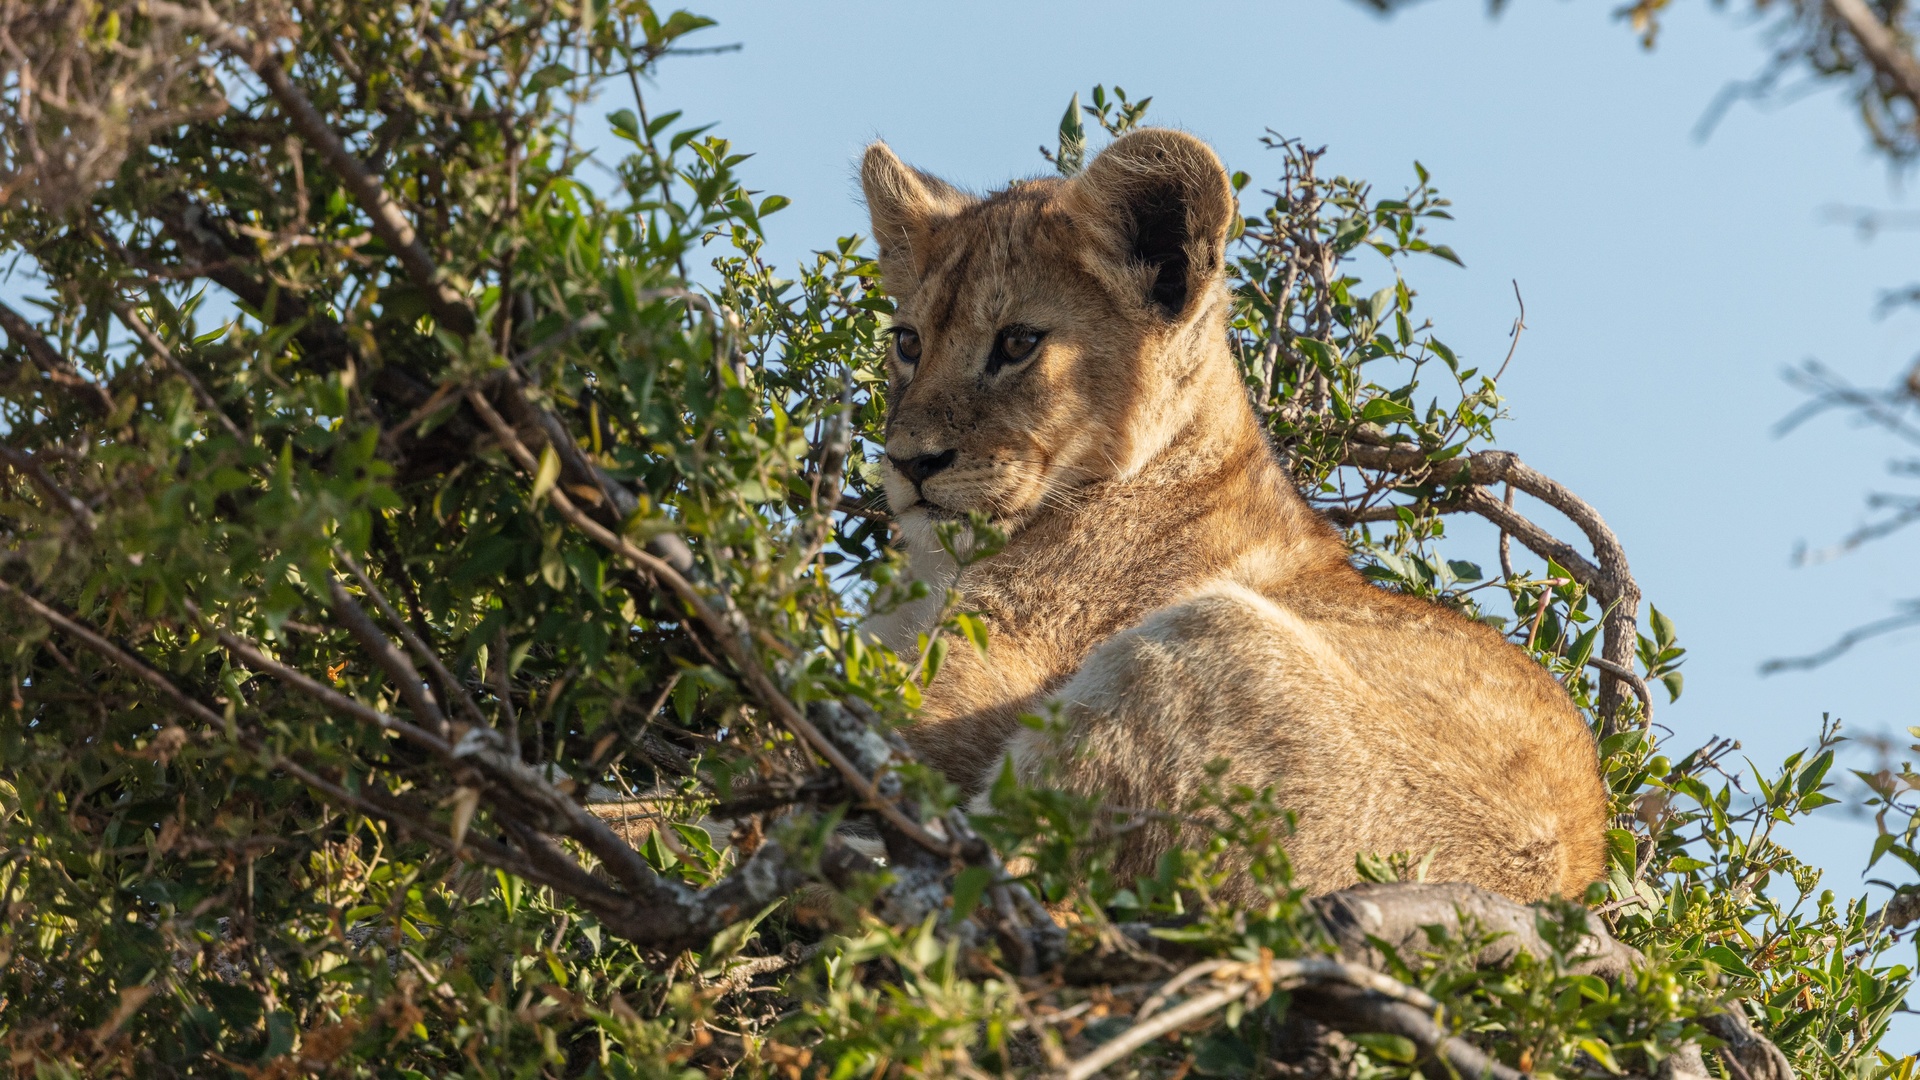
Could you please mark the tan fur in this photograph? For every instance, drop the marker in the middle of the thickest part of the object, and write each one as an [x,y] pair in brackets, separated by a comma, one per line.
[1163,580]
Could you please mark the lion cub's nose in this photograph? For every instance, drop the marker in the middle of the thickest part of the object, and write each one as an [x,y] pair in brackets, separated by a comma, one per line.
[921,466]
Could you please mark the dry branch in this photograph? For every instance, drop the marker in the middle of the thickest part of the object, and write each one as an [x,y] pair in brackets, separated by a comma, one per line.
[1348,997]
[418,647]
[1606,575]
[1361,918]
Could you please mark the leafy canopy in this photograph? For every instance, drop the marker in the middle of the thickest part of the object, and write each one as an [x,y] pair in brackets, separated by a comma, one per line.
[238,390]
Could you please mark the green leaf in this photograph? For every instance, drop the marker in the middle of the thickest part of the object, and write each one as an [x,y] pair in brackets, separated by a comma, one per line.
[544,478]
[1601,1053]
[1224,1055]
[686,694]
[1395,1048]
[553,569]
[1674,681]
[1883,844]
[1663,631]
[974,629]
[1072,154]
[930,664]
[1380,303]
[1815,772]
[1729,961]
[549,77]
[1385,410]
[729,941]
[679,23]
[1324,356]
[968,886]
[700,841]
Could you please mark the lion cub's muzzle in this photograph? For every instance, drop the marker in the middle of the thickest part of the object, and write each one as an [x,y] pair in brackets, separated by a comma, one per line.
[920,467]
[949,484]
[917,470]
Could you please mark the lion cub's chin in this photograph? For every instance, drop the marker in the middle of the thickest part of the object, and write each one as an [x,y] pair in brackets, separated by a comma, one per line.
[924,522]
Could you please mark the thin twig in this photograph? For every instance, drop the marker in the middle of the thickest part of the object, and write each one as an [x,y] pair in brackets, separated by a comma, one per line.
[413,689]
[120,655]
[1175,985]
[419,647]
[250,653]
[1141,1034]
[1910,617]
[1506,540]
[1519,325]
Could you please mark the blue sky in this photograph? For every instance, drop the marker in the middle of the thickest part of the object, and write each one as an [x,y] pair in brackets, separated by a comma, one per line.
[1668,280]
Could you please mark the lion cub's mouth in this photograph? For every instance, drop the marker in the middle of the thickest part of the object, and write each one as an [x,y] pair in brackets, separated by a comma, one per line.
[937,512]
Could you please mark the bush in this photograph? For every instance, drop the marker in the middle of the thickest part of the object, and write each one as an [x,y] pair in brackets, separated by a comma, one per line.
[381,495]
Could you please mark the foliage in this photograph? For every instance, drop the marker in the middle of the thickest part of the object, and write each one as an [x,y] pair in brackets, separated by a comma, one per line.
[238,402]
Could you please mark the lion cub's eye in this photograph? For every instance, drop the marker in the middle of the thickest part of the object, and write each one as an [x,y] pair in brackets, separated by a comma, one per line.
[1013,345]
[907,344]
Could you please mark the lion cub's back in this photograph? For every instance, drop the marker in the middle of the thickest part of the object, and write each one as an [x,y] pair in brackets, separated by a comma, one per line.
[1387,724]
[1495,769]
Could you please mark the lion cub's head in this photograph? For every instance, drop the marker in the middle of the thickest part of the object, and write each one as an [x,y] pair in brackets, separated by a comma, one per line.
[1047,336]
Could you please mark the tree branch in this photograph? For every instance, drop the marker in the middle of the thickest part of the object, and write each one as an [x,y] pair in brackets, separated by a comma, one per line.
[1890,59]
[1354,995]
[1606,575]
[425,655]
[1346,996]
[1362,918]
[413,689]
[115,653]
[449,308]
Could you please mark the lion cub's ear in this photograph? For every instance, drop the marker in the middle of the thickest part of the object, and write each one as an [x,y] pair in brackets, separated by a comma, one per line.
[1163,205]
[904,204]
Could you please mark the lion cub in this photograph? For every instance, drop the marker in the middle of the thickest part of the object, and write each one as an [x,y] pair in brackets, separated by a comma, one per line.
[1061,363]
